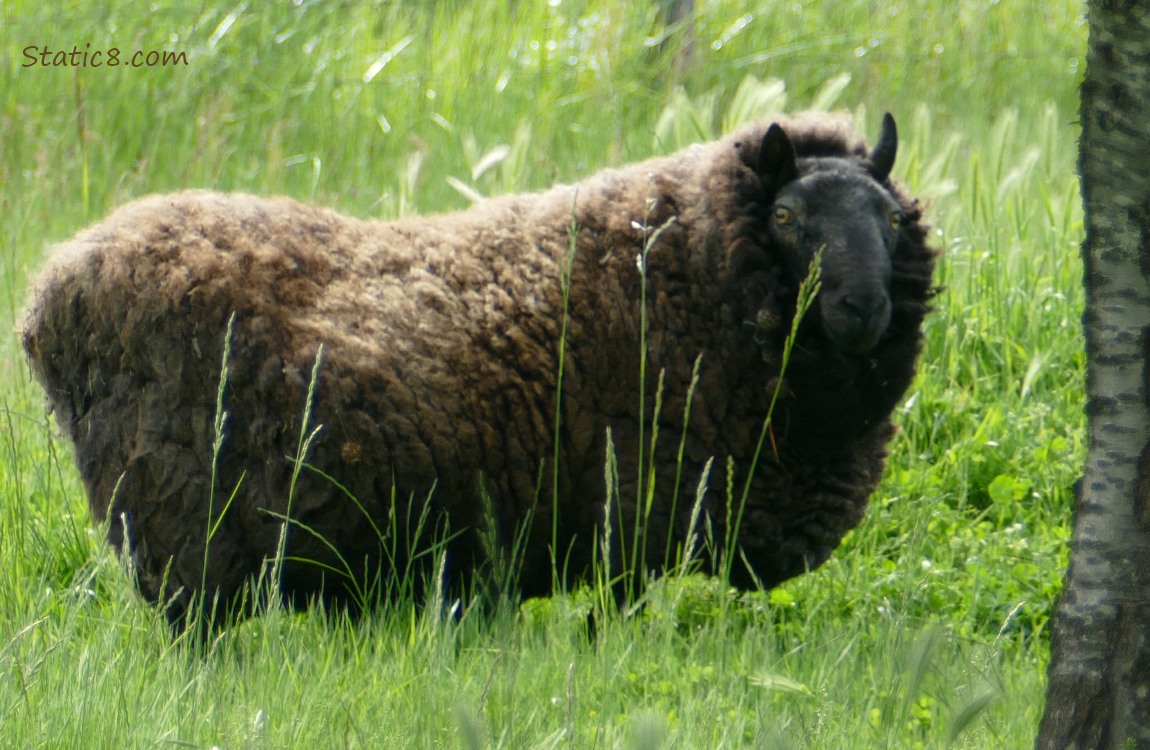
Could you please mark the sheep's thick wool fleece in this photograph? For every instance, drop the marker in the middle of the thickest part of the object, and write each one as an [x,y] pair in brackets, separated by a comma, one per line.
[441,340]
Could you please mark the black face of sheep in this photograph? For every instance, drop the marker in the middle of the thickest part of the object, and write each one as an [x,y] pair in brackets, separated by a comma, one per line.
[841,206]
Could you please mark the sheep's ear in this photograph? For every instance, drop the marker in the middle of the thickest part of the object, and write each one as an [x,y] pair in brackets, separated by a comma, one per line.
[882,156]
[777,160]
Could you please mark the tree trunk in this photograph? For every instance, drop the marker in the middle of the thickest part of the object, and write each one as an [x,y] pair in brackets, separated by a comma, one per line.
[1099,679]
[679,18]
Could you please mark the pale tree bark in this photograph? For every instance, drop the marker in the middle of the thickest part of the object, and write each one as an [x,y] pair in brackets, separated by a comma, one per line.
[1099,678]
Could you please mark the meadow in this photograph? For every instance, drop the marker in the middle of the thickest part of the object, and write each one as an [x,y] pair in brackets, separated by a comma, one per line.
[929,626]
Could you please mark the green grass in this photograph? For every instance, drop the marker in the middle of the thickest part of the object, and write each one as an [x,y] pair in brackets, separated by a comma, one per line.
[928,628]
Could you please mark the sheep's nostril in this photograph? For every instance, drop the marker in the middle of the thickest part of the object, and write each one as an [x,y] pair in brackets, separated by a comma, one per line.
[864,308]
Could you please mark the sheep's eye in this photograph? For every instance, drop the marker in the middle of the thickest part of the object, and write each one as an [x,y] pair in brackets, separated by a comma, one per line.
[784,216]
[896,219]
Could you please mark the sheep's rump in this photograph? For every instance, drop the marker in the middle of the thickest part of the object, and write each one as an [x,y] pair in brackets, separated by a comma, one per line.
[438,403]
[128,330]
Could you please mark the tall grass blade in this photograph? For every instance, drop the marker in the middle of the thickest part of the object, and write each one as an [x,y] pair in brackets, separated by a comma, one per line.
[307,436]
[808,291]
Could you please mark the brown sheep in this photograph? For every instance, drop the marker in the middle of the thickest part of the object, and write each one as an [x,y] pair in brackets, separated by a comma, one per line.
[436,393]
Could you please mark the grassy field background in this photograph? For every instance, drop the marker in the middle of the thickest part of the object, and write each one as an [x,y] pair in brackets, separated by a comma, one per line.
[928,628]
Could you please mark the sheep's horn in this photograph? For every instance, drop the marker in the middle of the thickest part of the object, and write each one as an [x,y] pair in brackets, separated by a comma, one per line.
[777,159]
[882,156]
